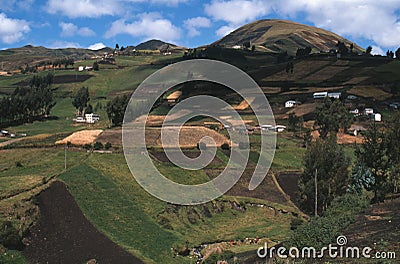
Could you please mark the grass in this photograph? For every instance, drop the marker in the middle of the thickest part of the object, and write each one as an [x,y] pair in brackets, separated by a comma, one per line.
[12,257]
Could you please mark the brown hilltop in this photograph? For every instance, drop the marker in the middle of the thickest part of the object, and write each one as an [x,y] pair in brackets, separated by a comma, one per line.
[275,35]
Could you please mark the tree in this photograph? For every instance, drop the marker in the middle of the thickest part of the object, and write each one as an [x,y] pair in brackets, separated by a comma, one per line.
[342,49]
[293,122]
[116,109]
[368,50]
[116,46]
[331,116]
[81,100]
[96,66]
[326,161]
[373,155]
[392,140]
[398,54]
[253,48]
[351,48]
[89,109]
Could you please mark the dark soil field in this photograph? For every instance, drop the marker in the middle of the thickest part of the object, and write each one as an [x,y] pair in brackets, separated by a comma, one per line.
[288,182]
[64,235]
[378,227]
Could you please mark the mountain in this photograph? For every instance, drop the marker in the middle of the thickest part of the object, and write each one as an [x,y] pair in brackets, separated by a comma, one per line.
[13,58]
[155,44]
[275,35]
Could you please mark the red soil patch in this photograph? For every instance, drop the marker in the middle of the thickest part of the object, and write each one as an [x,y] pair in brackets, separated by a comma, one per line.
[64,235]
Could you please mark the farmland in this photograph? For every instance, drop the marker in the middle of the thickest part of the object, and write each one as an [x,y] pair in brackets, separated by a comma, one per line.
[106,193]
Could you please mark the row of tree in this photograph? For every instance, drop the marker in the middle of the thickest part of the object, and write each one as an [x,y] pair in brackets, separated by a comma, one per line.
[29,102]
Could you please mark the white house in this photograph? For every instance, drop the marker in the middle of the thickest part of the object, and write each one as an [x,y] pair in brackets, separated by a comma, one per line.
[378,117]
[91,118]
[291,103]
[355,111]
[81,68]
[319,95]
[80,119]
[334,95]
[368,111]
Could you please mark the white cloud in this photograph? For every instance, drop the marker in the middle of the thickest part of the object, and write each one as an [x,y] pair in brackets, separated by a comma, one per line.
[12,5]
[83,8]
[237,12]
[148,26]
[60,44]
[97,46]
[193,24]
[12,30]
[224,30]
[369,19]
[377,51]
[69,30]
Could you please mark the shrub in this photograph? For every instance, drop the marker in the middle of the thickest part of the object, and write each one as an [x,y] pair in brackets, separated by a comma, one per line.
[18,164]
[225,146]
[98,145]
[107,145]
[321,231]
[9,236]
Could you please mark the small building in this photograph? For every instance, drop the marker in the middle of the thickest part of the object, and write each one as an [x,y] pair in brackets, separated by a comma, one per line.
[335,95]
[174,98]
[4,133]
[291,103]
[79,119]
[89,68]
[81,68]
[91,118]
[279,128]
[355,112]
[320,95]
[368,111]
[377,117]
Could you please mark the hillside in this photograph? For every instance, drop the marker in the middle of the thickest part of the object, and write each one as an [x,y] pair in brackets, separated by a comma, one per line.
[13,58]
[281,35]
[155,44]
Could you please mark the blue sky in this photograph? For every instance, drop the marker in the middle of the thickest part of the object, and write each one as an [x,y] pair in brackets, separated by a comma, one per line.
[190,23]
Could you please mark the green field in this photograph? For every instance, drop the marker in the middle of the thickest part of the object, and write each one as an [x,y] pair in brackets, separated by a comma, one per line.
[105,189]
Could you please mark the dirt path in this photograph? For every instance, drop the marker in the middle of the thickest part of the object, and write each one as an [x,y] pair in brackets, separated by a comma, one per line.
[64,235]
[8,142]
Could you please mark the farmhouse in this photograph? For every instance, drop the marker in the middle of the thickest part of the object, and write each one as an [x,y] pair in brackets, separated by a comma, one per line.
[91,118]
[174,98]
[377,117]
[319,95]
[334,95]
[4,133]
[368,111]
[291,103]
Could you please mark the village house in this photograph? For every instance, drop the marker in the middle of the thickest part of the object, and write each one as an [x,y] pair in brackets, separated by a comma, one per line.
[174,98]
[320,95]
[291,103]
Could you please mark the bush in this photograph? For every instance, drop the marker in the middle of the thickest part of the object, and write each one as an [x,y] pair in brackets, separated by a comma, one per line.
[9,236]
[98,145]
[107,146]
[225,146]
[321,231]
[87,146]
[18,164]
